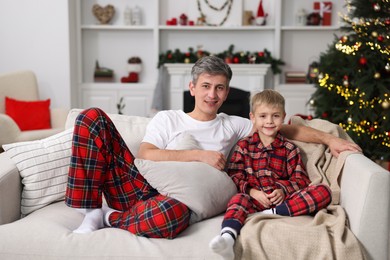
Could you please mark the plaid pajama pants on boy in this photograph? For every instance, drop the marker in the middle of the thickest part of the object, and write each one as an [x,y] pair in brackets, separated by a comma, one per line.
[306,201]
[102,163]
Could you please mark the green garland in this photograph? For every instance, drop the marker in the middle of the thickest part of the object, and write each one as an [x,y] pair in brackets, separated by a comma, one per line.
[191,56]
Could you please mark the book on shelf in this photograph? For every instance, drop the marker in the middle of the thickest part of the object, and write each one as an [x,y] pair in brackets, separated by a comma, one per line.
[295,77]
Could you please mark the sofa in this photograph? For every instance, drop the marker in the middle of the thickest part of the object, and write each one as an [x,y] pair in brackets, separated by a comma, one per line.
[44,230]
[22,87]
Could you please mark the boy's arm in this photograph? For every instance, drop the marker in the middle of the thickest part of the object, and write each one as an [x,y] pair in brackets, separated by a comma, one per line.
[311,135]
[236,171]
[297,176]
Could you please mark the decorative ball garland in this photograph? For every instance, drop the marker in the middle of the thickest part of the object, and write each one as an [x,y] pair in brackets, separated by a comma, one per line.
[228,3]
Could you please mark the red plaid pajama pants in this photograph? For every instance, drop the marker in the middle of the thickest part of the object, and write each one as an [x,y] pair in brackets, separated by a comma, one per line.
[306,201]
[101,163]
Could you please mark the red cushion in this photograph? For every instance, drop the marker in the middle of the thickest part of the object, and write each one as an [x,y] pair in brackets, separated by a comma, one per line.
[29,115]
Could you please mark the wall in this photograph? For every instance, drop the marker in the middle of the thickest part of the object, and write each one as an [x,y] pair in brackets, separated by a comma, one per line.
[35,35]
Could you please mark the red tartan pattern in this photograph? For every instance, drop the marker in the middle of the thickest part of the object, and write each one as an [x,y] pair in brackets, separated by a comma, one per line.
[277,166]
[102,163]
[306,201]
[157,217]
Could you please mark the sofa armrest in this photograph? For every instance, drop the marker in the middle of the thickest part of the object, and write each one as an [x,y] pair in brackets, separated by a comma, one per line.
[365,196]
[58,117]
[10,190]
[9,130]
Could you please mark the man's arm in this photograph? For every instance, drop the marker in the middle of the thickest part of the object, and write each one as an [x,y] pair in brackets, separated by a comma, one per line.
[311,135]
[149,151]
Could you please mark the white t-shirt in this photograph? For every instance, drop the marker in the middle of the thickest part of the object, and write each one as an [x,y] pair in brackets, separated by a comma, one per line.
[167,128]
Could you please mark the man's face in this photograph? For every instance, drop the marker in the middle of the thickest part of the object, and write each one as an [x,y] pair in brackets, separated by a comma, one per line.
[210,92]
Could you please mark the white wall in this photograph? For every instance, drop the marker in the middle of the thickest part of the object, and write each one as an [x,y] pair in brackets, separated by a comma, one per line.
[34,35]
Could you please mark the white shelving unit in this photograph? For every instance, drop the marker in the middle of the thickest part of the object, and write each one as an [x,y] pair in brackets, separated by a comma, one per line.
[112,45]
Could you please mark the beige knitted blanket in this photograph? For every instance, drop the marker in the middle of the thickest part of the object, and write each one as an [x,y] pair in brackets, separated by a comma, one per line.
[325,236]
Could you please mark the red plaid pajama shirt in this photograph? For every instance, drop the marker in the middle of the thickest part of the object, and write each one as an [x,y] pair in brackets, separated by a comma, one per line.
[101,163]
[266,168]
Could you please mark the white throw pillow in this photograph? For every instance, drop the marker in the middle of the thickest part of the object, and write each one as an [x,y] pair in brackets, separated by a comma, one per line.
[43,166]
[204,189]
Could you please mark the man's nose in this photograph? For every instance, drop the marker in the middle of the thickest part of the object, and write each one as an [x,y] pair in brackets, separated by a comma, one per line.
[212,93]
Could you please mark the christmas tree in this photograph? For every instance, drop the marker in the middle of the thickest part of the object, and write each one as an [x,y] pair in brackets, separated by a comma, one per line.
[353,86]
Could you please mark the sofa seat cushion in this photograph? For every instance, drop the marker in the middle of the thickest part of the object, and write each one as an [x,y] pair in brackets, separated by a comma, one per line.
[47,234]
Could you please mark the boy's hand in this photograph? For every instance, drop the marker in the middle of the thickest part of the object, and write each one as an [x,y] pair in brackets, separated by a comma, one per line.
[276,197]
[261,197]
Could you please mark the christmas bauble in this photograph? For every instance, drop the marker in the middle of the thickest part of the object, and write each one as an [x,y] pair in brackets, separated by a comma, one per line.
[377,75]
[376,7]
[380,38]
[362,61]
[387,67]
[385,104]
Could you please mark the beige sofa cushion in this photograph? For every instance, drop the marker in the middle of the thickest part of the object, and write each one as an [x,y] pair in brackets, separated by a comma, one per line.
[47,234]
[43,167]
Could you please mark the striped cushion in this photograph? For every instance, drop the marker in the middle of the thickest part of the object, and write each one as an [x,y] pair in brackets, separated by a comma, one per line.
[43,166]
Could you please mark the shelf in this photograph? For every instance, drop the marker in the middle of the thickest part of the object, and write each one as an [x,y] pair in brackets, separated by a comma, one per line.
[310,28]
[215,28]
[117,27]
[117,86]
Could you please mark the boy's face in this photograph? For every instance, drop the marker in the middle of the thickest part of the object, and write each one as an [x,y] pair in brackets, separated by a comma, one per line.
[267,120]
[210,92]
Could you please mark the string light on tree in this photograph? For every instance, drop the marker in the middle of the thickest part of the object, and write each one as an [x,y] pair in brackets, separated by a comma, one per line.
[354,87]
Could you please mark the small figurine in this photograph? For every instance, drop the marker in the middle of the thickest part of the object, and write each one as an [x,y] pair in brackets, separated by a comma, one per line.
[134,68]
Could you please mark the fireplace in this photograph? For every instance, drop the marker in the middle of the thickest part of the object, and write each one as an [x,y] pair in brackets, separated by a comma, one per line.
[237,102]
[250,78]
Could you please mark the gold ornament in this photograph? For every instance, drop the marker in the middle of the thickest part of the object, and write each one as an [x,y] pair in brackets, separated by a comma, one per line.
[377,75]
[385,104]
[374,34]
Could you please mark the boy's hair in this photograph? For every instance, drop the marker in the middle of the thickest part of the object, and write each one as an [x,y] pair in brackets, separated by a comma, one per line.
[268,97]
[212,65]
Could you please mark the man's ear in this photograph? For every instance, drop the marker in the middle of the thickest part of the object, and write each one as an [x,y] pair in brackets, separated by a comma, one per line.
[227,94]
[191,87]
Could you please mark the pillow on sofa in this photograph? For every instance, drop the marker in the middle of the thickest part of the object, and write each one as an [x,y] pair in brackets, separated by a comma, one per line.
[29,115]
[204,189]
[43,166]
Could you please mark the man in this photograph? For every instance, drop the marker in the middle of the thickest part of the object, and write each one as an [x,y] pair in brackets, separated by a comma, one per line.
[102,163]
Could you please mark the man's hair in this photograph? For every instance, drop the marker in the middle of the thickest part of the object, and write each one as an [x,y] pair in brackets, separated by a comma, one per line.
[212,65]
[269,97]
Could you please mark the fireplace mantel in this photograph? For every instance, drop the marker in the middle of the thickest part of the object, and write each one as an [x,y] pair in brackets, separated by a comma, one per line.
[248,77]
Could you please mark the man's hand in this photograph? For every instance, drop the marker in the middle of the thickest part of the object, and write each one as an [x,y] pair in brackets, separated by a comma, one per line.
[261,197]
[276,197]
[150,152]
[213,158]
[338,145]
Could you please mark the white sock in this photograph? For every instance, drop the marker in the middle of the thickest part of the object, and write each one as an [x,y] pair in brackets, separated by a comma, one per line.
[223,244]
[268,211]
[106,214]
[92,221]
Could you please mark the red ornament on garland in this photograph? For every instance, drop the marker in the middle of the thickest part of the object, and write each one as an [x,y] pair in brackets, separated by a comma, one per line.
[260,53]
[236,60]
[363,61]
[325,115]
[372,129]
[380,38]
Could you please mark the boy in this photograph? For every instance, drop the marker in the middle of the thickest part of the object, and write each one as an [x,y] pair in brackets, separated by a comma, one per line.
[269,174]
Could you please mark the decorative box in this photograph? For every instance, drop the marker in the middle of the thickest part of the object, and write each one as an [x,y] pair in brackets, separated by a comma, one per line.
[325,10]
